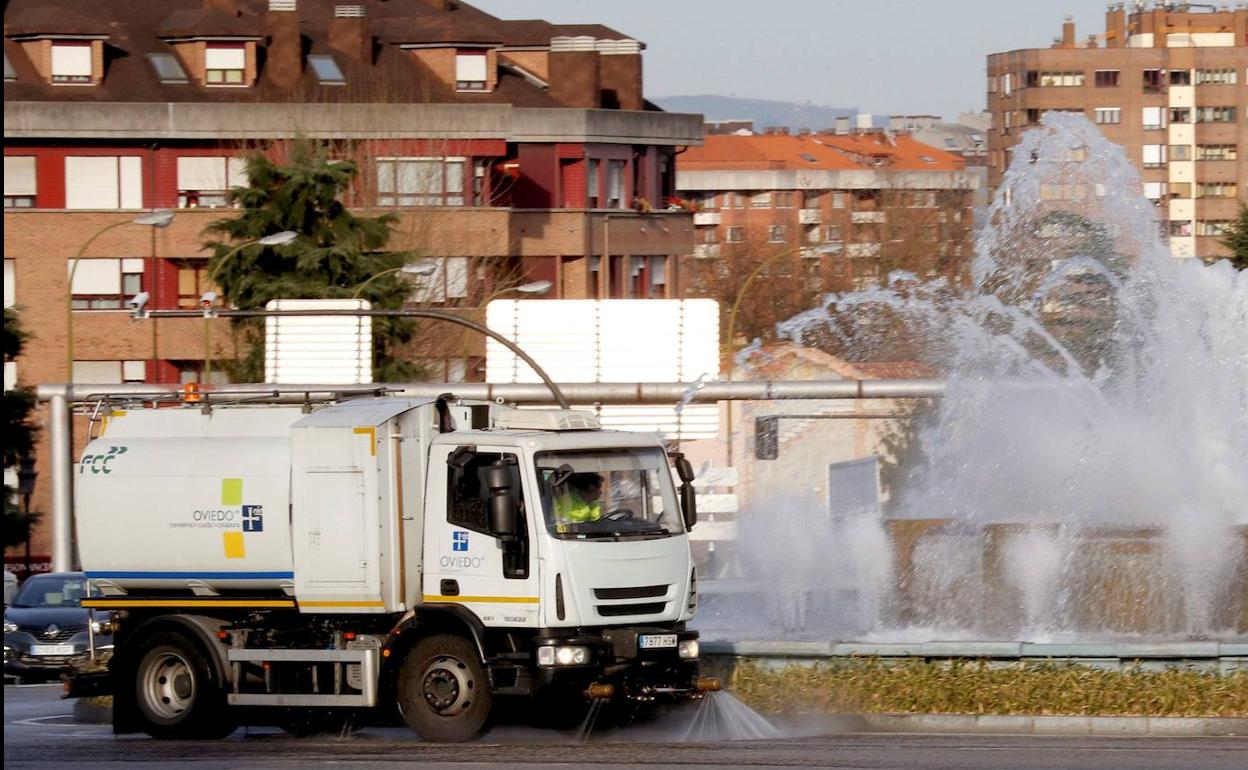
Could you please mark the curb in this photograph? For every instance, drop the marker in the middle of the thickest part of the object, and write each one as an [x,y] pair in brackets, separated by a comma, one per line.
[1041,725]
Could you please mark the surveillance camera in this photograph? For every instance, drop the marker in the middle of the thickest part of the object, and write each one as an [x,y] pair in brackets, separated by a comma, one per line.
[138,301]
[208,299]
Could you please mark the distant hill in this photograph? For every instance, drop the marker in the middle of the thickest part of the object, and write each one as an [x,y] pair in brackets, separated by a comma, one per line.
[763,112]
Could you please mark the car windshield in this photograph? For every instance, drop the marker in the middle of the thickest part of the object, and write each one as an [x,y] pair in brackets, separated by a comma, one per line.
[608,493]
[52,591]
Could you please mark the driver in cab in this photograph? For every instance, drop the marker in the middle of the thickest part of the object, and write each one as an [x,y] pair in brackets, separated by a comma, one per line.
[581,499]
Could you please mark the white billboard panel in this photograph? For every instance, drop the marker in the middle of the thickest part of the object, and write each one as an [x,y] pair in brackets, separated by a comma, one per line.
[615,340]
[335,350]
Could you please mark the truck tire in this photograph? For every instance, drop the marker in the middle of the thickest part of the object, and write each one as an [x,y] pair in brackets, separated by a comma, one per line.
[444,692]
[176,692]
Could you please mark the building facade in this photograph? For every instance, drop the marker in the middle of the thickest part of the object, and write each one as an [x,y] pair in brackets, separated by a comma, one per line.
[511,151]
[835,211]
[1169,82]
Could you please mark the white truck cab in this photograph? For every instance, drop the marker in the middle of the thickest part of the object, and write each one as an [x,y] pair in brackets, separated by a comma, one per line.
[302,566]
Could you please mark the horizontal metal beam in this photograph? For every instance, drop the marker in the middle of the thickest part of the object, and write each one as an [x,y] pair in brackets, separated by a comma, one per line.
[583,393]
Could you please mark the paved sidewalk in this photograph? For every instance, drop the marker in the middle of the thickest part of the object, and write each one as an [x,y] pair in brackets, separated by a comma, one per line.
[1028,725]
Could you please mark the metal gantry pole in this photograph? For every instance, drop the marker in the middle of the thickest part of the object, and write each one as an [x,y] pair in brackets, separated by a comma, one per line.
[62,480]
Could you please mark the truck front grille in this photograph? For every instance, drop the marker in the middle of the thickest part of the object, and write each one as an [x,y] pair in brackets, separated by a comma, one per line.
[616,610]
[635,592]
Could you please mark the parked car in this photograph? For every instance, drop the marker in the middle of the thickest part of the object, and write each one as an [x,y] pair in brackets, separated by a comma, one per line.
[47,630]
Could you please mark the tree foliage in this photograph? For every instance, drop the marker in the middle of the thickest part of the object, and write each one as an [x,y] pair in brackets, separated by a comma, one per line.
[1237,239]
[19,435]
[334,253]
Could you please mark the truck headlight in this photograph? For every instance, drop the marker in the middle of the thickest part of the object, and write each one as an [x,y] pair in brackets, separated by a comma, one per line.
[551,655]
[10,627]
[688,649]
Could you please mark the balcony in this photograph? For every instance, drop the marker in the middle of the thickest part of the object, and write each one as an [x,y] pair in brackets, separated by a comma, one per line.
[706,251]
[867,217]
[706,218]
[863,250]
[810,217]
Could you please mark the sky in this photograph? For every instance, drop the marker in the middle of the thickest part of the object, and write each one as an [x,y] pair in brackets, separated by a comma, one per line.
[881,56]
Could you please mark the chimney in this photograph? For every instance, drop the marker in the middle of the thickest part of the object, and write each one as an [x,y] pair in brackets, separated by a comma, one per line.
[349,32]
[842,125]
[228,7]
[1115,26]
[283,64]
[620,70]
[575,72]
[1068,33]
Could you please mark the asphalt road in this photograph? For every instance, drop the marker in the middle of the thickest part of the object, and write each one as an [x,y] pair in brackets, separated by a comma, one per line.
[38,733]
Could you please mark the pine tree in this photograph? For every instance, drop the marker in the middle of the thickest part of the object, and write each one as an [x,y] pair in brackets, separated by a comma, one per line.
[19,435]
[1237,239]
[335,252]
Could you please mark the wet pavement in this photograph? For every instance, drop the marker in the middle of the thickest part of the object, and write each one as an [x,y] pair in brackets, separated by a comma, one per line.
[39,733]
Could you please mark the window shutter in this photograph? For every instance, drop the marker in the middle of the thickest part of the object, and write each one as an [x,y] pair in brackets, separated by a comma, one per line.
[235,172]
[98,372]
[91,182]
[470,67]
[96,276]
[19,175]
[71,60]
[131,182]
[134,371]
[204,173]
[457,276]
[132,265]
[223,58]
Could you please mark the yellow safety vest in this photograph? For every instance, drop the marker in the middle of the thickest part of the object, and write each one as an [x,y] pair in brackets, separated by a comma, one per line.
[573,508]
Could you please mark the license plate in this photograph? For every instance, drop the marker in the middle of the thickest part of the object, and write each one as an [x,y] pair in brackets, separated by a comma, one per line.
[52,649]
[656,641]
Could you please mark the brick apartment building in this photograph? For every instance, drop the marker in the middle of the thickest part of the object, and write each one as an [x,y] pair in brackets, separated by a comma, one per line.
[837,211]
[1169,82]
[507,148]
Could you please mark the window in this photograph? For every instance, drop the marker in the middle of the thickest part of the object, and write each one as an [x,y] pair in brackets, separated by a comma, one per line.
[1007,84]
[10,74]
[1180,115]
[1215,114]
[1180,77]
[1154,191]
[1216,152]
[1105,78]
[192,283]
[1154,155]
[611,493]
[1180,228]
[1061,79]
[1154,81]
[1175,190]
[10,290]
[420,181]
[168,70]
[327,70]
[204,180]
[1108,115]
[1032,116]
[1213,227]
[109,372]
[709,201]
[832,233]
[1153,117]
[71,63]
[449,281]
[647,277]
[468,504]
[224,64]
[19,181]
[1217,77]
[105,284]
[784,200]
[760,200]
[591,182]
[1216,190]
[734,234]
[776,234]
[103,182]
[1180,152]
[615,184]
[812,199]
[470,70]
[708,234]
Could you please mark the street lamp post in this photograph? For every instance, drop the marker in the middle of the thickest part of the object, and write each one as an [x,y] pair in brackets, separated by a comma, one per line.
[208,298]
[423,269]
[26,476]
[152,219]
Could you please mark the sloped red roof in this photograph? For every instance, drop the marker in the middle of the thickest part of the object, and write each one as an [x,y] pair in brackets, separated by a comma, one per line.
[825,152]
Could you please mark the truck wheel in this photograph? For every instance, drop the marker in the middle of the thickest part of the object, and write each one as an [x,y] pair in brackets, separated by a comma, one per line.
[444,693]
[175,690]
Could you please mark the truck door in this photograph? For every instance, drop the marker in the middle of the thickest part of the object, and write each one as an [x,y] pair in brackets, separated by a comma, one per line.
[464,563]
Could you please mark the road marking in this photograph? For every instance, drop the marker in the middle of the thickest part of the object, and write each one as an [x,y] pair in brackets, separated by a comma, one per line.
[45,721]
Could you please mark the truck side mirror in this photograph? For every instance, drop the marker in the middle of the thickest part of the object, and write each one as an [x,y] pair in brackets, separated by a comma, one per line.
[502,509]
[684,468]
[689,504]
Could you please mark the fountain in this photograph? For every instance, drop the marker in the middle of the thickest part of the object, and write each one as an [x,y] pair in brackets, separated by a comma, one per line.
[1085,476]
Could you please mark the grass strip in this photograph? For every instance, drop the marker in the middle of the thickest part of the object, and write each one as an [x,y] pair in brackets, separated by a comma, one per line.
[975,687]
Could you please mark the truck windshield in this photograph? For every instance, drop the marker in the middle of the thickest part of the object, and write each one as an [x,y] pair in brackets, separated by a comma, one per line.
[608,493]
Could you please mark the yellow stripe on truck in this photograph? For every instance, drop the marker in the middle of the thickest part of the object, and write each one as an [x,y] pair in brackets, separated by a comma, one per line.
[342,604]
[484,599]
